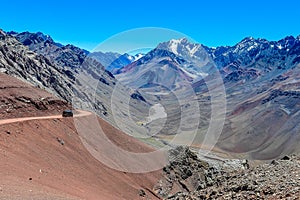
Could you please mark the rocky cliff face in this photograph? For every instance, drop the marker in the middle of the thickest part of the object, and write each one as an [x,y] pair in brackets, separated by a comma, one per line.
[17,60]
[70,62]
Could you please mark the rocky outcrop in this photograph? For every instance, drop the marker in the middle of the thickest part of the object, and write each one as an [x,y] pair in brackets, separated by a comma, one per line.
[185,173]
[187,177]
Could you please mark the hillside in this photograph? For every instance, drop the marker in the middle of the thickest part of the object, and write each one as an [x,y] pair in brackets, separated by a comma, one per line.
[20,99]
[45,158]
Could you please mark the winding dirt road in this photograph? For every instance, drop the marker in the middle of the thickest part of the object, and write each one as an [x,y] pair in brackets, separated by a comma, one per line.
[80,113]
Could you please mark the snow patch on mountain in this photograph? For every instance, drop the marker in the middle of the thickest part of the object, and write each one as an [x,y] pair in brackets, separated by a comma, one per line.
[138,56]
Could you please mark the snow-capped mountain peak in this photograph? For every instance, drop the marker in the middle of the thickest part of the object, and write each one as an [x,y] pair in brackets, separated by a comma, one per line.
[193,57]
[183,48]
[175,45]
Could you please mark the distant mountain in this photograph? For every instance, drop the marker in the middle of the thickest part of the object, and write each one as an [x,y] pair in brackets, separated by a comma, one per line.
[194,55]
[262,87]
[172,64]
[105,58]
[158,66]
[114,61]
[44,44]
[255,58]
[30,39]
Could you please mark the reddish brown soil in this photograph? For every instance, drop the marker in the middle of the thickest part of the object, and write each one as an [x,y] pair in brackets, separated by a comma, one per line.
[30,150]
[35,165]
[19,99]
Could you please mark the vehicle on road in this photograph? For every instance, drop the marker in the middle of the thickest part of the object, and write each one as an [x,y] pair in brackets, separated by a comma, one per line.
[67,113]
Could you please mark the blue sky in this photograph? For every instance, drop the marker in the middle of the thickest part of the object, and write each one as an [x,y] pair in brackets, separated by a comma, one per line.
[213,23]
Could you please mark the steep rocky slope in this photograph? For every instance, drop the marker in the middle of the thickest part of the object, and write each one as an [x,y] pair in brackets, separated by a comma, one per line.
[188,177]
[18,61]
[68,61]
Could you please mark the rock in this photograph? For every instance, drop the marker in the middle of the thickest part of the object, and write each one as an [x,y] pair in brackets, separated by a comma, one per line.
[245,164]
[142,193]
[60,141]
[274,162]
[138,96]
[286,158]
[210,182]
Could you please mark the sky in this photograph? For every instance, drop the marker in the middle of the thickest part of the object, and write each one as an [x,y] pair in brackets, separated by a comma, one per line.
[213,23]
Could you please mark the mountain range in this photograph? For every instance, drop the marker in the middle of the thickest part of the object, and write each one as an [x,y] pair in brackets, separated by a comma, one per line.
[260,78]
[249,59]
[261,83]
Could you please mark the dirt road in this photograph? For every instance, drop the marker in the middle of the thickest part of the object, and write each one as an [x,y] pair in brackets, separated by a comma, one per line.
[80,113]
